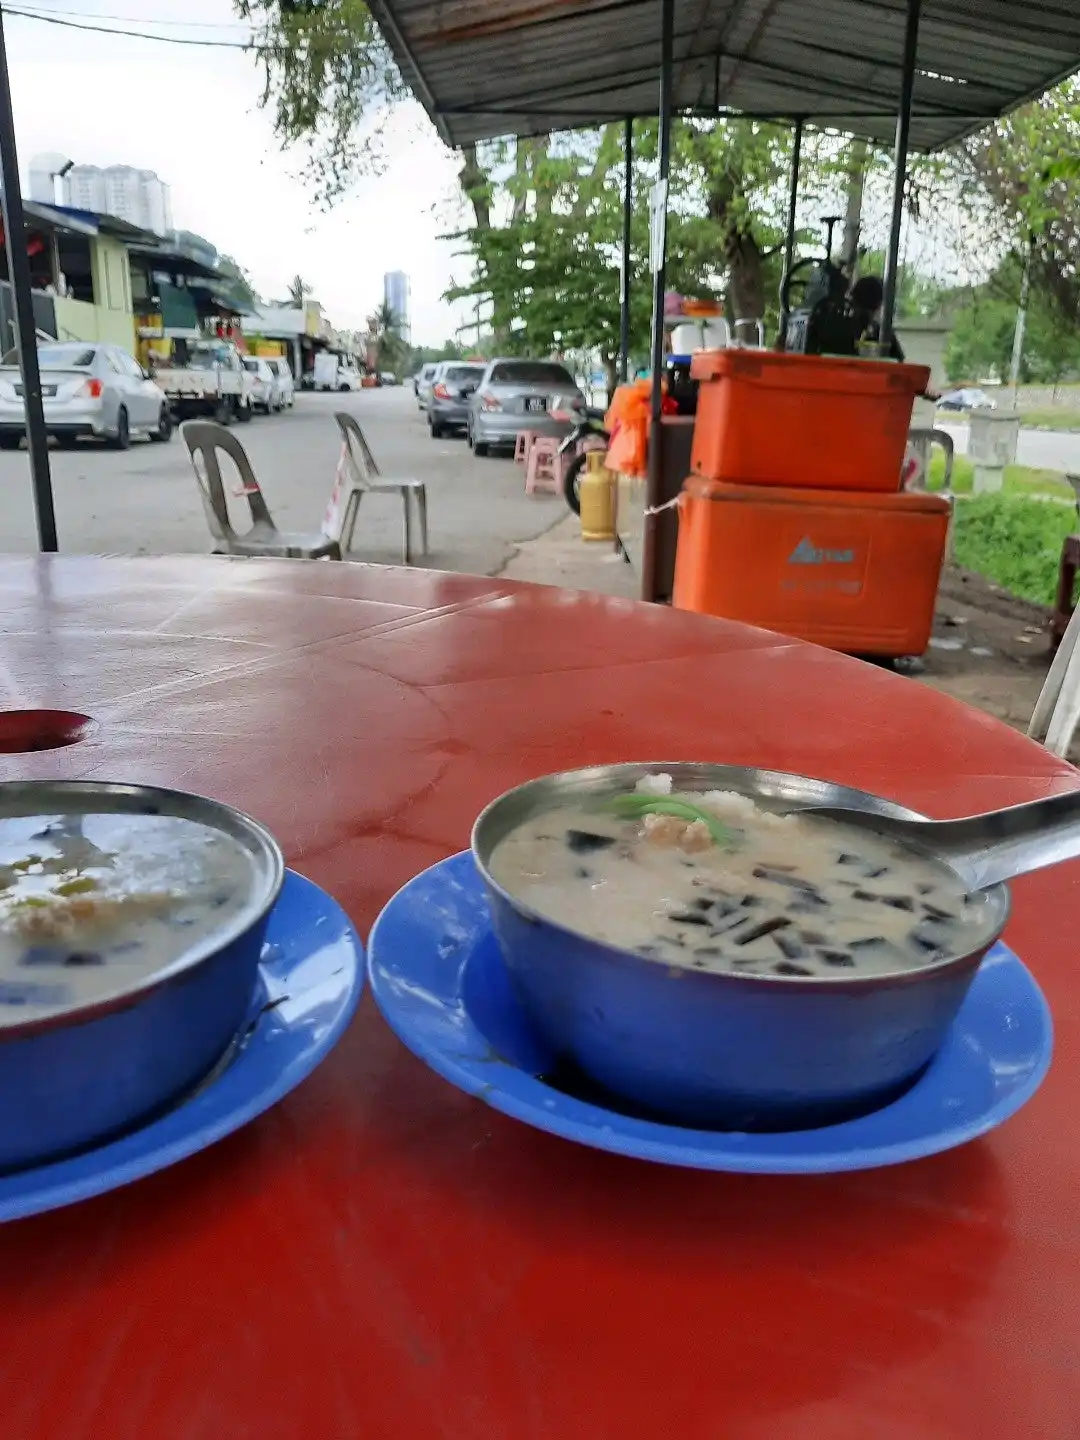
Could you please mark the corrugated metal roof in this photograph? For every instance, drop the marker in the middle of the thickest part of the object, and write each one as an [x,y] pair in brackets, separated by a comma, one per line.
[483,68]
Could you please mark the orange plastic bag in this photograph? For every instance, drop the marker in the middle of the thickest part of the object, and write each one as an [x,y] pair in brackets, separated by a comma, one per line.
[626,401]
[629,449]
[627,422]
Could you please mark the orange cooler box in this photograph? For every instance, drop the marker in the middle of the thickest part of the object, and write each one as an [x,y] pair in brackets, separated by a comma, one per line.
[765,418]
[857,573]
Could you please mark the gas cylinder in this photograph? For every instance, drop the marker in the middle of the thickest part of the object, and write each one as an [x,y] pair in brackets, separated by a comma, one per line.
[596,493]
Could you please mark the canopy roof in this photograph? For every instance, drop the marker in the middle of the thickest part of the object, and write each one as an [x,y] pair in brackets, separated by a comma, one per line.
[484,68]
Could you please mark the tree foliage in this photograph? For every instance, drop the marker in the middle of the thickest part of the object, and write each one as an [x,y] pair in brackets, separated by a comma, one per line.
[390,348]
[1027,166]
[545,217]
[981,341]
[328,78]
[545,244]
[299,290]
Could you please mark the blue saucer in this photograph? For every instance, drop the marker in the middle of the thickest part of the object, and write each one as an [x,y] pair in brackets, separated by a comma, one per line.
[439,979]
[311,975]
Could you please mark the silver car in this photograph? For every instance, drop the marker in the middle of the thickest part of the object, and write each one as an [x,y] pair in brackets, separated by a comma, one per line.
[86,389]
[423,385]
[451,389]
[518,395]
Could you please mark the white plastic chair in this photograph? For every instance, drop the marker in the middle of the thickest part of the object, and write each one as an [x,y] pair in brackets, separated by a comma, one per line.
[1057,710]
[922,442]
[358,475]
[204,438]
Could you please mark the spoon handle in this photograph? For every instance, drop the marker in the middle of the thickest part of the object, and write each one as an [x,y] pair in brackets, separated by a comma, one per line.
[987,849]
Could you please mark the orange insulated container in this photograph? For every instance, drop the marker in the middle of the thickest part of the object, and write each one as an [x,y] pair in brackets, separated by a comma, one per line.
[857,573]
[765,418]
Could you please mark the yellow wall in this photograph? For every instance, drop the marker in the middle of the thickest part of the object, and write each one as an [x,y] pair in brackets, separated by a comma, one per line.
[112,291]
[110,319]
[75,320]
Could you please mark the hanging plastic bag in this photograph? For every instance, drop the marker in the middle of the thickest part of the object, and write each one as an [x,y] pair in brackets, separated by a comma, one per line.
[629,449]
[627,422]
[332,520]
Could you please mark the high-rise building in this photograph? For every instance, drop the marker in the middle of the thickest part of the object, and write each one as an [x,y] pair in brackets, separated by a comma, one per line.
[397,296]
[137,196]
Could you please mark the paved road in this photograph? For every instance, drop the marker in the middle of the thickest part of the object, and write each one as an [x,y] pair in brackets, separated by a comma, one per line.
[145,502]
[1041,449]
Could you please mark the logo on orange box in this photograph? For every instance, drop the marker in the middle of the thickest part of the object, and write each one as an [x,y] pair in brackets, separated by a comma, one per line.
[807,553]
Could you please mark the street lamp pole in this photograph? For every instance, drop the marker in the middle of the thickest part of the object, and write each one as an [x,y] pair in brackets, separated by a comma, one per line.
[25,329]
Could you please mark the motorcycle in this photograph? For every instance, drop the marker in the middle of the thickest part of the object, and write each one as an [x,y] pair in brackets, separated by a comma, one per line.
[590,424]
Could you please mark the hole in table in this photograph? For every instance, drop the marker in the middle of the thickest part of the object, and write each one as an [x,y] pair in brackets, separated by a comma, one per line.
[24,731]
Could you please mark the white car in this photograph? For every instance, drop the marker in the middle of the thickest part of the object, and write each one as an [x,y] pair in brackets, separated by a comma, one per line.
[263,384]
[969,398]
[97,391]
[284,389]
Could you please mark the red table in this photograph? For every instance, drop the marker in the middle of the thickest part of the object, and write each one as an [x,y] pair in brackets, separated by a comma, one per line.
[382,1258]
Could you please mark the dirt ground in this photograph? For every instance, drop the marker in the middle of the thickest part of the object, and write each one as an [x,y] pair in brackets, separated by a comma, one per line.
[988,648]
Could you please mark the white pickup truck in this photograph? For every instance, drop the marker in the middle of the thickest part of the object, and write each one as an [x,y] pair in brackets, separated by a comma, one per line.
[210,380]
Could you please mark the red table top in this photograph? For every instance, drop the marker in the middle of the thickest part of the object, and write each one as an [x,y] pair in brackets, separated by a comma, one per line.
[382,1256]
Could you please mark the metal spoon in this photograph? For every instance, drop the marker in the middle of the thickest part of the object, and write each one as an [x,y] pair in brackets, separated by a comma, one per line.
[984,850]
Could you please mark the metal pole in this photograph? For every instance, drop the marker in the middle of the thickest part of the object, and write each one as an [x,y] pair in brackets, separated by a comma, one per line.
[789,239]
[624,283]
[25,329]
[658,219]
[1018,332]
[903,130]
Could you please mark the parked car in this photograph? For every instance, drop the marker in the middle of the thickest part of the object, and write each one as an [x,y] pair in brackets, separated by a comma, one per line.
[452,388]
[518,395]
[387,377]
[206,377]
[424,383]
[968,398]
[263,389]
[284,389]
[86,389]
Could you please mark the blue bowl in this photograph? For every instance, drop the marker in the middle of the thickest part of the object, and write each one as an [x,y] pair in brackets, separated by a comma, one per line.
[726,1051]
[75,1078]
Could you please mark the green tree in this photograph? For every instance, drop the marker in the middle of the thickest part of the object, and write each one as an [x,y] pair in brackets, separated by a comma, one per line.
[1026,167]
[299,290]
[981,341]
[390,349]
[328,77]
[545,245]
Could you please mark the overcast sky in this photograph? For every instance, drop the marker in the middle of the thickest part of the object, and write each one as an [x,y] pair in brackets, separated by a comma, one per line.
[192,114]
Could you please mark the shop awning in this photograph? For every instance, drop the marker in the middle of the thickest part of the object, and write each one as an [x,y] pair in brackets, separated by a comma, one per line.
[484,68]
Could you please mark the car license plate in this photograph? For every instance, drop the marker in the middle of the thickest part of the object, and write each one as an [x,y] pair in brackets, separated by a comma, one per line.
[535,402]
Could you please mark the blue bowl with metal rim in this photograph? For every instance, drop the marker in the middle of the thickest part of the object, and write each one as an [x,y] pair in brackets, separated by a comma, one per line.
[718,1049]
[81,1074]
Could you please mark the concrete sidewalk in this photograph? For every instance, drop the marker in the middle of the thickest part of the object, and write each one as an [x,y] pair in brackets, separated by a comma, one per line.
[560,557]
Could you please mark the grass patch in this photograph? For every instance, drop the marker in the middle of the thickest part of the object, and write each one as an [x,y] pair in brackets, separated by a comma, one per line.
[1058,417]
[1014,541]
[1019,479]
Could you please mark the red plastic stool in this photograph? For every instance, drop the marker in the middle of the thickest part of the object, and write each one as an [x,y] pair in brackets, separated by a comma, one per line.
[542,467]
[522,445]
